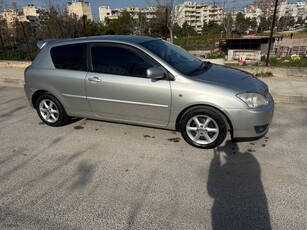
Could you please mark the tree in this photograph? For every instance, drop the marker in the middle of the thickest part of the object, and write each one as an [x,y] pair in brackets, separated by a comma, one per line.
[3,36]
[253,24]
[140,24]
[156,27]
[188,30]
[300,20]
[169,14]
[124,25]
[212,28]
[242,23]
[228,24]
[61,24]
[185,30]
[263,25]
[53,26]
[285,22]
[267,8]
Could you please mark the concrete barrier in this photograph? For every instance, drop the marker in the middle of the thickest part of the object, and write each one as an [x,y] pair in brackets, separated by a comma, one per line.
[276,71]
[19,64]
[219,61]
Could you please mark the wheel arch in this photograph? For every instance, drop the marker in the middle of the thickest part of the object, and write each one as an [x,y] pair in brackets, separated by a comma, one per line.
[60,119]
[35,96]
[225,117]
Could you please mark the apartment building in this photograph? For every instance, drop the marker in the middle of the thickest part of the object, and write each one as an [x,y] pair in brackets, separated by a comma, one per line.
[80,8]
[296,10]
[107,12]
[30,13]
[10,16]
[197,14]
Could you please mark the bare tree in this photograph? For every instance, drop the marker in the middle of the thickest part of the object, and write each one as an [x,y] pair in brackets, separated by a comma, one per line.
[168,8]
[140,24]
[227,24]
[267,7]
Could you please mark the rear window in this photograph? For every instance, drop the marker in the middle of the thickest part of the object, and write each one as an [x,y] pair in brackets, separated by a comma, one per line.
[72,57]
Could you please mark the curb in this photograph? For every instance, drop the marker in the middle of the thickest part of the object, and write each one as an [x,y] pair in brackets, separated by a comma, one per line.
[17,64]
[279,98]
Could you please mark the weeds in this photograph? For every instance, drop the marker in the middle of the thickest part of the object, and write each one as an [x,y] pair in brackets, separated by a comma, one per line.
[264,74]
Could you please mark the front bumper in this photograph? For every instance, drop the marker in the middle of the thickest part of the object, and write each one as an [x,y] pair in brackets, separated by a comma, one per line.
[251,124]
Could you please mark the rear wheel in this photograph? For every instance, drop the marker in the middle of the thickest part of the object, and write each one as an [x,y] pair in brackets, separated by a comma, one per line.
[203,127]
[51,111]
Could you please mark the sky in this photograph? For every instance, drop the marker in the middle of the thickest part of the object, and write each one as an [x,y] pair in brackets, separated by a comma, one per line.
[232,4]
[94,3]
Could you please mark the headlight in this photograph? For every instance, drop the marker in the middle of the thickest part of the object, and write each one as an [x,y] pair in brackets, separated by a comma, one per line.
[253,100]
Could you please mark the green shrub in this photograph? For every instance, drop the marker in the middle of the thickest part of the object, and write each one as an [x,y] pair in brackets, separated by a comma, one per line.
[219,54]
[14,55]
[195,42]
[289,62]
[18,55]
[264,74]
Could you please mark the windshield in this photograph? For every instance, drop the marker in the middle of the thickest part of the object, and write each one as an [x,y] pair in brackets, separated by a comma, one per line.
[177,57]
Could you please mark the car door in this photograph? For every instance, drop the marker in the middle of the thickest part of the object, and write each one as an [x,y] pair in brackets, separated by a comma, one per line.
[118,90]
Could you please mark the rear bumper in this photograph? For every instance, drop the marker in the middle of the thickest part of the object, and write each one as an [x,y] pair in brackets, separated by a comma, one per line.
[29,92]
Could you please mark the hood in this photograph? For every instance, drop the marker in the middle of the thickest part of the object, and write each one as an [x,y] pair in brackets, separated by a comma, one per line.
[232,78]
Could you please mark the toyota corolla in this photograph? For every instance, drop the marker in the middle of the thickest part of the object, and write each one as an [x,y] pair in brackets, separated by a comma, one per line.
[149,82]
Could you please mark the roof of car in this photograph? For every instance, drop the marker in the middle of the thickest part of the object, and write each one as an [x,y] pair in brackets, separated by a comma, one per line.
[117,38]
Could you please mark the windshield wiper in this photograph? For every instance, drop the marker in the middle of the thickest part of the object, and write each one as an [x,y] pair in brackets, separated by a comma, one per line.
[203,66]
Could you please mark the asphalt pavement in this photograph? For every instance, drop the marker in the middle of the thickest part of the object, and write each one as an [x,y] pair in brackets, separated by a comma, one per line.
[291,89]
[102,175]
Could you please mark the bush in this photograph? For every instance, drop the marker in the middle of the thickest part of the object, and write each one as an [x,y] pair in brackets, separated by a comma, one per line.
[289,62]
[264,74]
[194,42]
[219,54]
[14,55]
[18,55]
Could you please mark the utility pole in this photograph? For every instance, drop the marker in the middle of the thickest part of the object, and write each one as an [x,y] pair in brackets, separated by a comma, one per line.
[271,35]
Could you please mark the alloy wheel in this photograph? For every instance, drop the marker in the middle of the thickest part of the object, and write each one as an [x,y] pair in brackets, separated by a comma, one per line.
[49,111]
[202,129]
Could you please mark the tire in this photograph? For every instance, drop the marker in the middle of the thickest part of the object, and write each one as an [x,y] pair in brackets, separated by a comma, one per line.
[51,111]
[203,127]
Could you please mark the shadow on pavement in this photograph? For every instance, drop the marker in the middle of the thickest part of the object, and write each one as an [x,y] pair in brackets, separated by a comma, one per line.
[235,184]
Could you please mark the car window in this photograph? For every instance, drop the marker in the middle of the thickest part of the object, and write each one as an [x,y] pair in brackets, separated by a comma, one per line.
[118,60]
[71,57]
[180,59]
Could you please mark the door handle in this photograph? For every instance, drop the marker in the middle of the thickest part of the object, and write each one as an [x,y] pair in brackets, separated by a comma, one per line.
[94,79]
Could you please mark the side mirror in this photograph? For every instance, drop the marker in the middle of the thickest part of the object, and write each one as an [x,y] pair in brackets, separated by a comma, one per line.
[154,73]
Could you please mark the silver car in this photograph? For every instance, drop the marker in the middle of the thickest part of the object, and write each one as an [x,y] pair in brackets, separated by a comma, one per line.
[149,82]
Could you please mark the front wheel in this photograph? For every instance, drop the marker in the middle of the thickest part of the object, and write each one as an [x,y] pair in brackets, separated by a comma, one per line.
[203,127]
[51,111]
